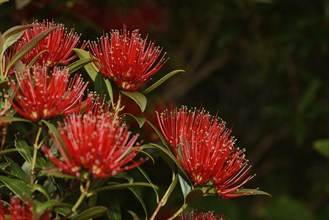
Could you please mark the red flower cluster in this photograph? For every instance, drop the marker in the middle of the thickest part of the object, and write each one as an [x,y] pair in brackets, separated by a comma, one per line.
[41,93]
[205,149]
[54,49]
[20,211]
[127,58]
[198,215]
[95,142]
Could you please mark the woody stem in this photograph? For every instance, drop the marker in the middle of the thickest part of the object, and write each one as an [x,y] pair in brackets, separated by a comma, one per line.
[34,157]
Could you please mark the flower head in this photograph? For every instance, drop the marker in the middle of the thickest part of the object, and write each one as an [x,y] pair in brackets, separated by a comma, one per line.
[42,94]
[19,210]
[54,49]
[127,58]
[199,215]
[204,148]
[95,143]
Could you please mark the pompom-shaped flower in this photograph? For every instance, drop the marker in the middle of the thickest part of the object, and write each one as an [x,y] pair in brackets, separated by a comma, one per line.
[42,94]
[95,143]
[19,211]
[54,49]
[127,58]
[204,148]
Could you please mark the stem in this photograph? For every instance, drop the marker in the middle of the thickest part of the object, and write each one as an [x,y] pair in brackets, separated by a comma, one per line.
[4,134]
[84,194]
[178,211]
[165,197]
[35,151]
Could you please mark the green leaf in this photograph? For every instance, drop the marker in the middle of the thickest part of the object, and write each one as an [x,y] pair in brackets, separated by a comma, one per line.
[186,188]
[139,98]
[3,1]
[141,121]
[8,151]
[109,90]
[162,80]
[148,180]
[8,119]
[53,130]
[162,138]
[138,195]
[90,68]
[18,187]
[322,147]
[133,215]
[10,41]
[28,46]
[41,189]
[169,158]
[14,30]
[309,94]
[73,67]
[17,171]
[41,207]
[4,165]
[252,192]
[113,212]
[100,86]
[90,213]
[56,174]
[24,150]
[117,186]
[193,195]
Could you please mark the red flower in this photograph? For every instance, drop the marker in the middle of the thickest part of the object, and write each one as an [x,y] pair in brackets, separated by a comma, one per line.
[127,58]
[41,93]
[54,49]
[18,211]
[95,142]
[204,148]
[198,215]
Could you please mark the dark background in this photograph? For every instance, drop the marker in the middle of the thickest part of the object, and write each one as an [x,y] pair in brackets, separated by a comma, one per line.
[261,64]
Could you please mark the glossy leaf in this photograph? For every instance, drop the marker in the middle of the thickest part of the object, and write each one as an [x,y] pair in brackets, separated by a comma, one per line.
[53,131]
[186,188]
[322,147]
[139,98]
[57,174]
[8,151]
[28,46]
[253,192]
[149,181]
[114,212]
[162,80]
[169,158]
[9,119]
[41,207]
[100,86]
[90,67]
[109,90]
[24,150]
[138,195]
[4,165]
[90,213]
[73,67]
[17,171]
[14,30]
[3,1]
[10,41]
[193,195]
[162,138]
[18,187]
[41,189]
[141,121]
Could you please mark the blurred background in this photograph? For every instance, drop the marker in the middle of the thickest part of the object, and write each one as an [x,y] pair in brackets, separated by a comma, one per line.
[262,65]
